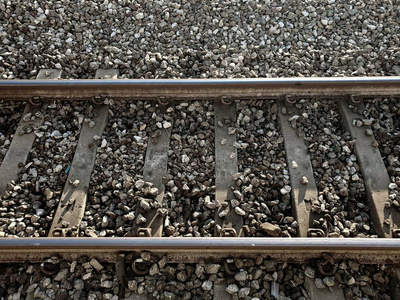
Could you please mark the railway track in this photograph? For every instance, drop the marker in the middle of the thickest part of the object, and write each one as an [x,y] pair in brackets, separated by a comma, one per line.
[231,167]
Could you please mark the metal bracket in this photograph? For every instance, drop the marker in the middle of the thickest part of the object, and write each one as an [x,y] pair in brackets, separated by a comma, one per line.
[230,266]
[315,232]
[289,100]
[355,100]
[228,232]
[65,232]
[144,232]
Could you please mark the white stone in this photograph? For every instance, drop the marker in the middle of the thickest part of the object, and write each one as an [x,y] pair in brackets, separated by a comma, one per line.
[132,285]
[167,125]
[212,268]
[346,149]
[241,276]
[232,289]
[304,180]
[286,189]
[87,276]
[207,285]
[240,211]
[310,272]
[107,284]
[185,158]
[329,281]
[103,143]
[62,274]
[79,284]
[58,169]
[95,264]
[319,283]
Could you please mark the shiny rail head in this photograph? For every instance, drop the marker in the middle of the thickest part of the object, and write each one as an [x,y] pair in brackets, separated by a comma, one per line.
[193,249]
[198,89]
[203,243]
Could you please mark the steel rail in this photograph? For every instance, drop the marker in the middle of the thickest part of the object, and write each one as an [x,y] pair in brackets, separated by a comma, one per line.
[194,89]
[202,243]
[192,249]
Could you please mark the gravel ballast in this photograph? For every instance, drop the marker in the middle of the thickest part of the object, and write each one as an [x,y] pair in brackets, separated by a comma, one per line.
[190,178]
[244,278]
[231,39]
[263,183]
[384,114]
[119,165]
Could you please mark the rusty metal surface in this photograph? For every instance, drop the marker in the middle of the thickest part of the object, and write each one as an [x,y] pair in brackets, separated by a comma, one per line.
[376,179]
[191,89]
[21,144]
[226,164]
[17,155]
[220,293]
[377,257]
[299,166]
[155,168]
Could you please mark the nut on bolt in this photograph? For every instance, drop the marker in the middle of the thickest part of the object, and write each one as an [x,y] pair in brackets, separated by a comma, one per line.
[163,100]
[226,101]
[140,267]
[35,101]
[50,266]
[97,100]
